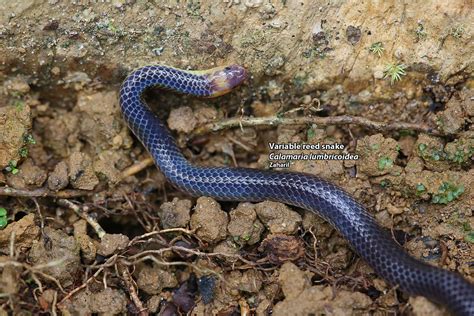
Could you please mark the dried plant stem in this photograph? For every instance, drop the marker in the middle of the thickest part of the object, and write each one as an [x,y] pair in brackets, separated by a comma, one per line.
[43,192]
[321,121]
[82,212]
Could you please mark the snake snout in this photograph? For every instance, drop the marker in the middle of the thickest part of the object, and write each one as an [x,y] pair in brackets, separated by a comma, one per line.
[236,74]
[223,79]
[239,73]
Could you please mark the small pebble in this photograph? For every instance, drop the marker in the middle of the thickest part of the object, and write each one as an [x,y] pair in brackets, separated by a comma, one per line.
[394,210]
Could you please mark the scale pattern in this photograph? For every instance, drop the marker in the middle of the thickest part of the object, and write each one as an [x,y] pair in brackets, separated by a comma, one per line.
[348,216]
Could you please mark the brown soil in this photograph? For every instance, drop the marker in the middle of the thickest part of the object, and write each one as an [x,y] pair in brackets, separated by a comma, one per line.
[65,154]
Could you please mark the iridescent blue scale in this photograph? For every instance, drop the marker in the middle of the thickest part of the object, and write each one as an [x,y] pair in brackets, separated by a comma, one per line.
[348,216]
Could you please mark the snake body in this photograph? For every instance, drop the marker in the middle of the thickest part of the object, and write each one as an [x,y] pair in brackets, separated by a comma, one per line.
[374,244]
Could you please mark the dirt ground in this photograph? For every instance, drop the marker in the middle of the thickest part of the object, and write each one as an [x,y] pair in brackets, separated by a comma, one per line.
[89,226]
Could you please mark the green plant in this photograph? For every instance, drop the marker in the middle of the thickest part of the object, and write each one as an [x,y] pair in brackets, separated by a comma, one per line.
[377,49]
[310,133]
[19,105]
[420,188]
[23,152]
[3,218]
[193,8]
[226,160]
[375,146]
[422,147]
[110,27]
[299,81]
[394,72]
[385,163]
[246,237]
[458,157]
[436,155]
[467,229]
[28,139]
[457,31]
[315,51]
[12,167]
[385,183]
[447,192]
[420,32]
[469,237]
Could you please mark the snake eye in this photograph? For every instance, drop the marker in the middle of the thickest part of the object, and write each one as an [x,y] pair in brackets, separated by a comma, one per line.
[227,68]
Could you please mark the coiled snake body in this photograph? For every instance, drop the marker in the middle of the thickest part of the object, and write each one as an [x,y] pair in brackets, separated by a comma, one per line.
[348,216]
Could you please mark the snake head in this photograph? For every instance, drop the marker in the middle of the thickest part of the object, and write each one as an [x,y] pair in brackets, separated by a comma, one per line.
[224,79]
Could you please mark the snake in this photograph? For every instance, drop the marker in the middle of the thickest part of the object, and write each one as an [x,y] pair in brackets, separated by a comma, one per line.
[307,191]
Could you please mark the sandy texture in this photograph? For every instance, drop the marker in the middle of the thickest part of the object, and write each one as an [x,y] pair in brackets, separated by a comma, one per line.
[62,136]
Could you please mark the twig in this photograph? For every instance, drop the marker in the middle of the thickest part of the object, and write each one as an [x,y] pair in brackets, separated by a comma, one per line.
[12,253]
[194,252]
[137,167]
[158,262]
[83,214]
[83,285]
[142,311]
[34,270]
[43,192]
[444,253]
[77,289]
[40,215]
[315,245]
[322,121]
[47,276]
[53,305]
[244,307]
[157,232]
[178,229]
[173,263]
[38,283]
[239,143]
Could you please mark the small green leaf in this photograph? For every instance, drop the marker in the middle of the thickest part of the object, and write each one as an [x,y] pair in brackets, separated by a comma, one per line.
[3,222]
[30,140]
[385,183]
[457,31]
[469,237]
[447,192]
[459,191]
[420,187]
[394,72]
[310,134]
[23,152]
[377,48]
[385,163]
[3,212]
[450,196]
[19,105]
[466,226]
